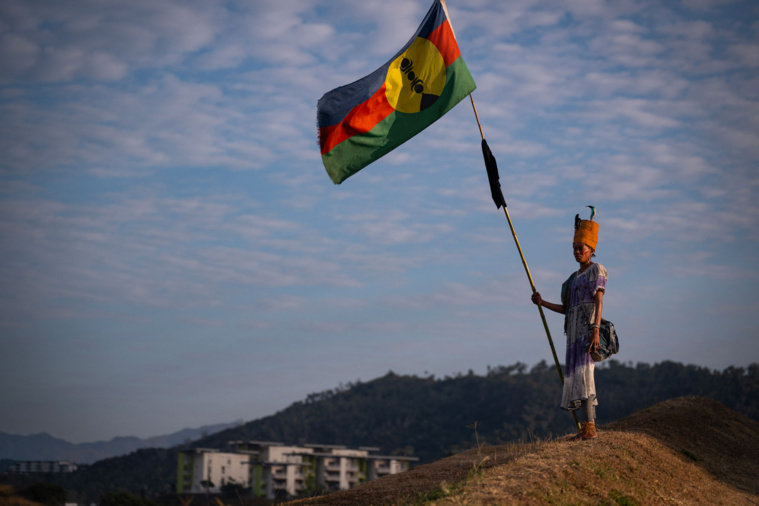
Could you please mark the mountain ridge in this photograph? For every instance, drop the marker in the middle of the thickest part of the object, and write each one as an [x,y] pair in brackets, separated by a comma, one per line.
[44,446]
[431,417]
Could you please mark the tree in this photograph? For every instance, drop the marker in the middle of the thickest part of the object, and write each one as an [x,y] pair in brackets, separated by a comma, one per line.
[124,499]
[45,493]
[207,484]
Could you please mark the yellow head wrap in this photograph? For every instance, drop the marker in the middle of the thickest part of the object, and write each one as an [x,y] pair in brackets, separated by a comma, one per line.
[586,232]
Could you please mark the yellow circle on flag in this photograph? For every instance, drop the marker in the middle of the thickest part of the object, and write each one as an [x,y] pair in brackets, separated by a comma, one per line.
[416,78]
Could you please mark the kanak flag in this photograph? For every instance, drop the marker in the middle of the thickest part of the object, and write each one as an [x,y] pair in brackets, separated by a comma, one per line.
[362,121]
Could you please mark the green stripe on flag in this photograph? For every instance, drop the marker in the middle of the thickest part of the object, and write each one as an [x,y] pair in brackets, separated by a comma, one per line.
[358,151]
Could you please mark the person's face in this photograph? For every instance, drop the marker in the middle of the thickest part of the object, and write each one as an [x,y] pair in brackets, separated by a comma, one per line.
[582,252]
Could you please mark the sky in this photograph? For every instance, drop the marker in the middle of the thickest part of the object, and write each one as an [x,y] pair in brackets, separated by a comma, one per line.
[173,253]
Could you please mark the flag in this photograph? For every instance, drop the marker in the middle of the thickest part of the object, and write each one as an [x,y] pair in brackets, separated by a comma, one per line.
[363,121]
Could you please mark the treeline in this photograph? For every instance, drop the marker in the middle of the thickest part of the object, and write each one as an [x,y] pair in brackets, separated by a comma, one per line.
[146,473]
[433,417]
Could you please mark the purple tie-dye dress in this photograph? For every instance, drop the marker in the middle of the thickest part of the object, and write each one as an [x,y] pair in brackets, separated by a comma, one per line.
[579,383]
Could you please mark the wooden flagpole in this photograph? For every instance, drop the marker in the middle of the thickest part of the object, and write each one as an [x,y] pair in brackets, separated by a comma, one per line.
[529,276]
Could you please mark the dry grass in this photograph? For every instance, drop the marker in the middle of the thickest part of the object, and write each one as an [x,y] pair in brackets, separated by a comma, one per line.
[423,483]
[682,451]
[8,497]
[620,468]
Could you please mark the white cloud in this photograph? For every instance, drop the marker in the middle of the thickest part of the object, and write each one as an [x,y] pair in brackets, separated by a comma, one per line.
[707,4]
[282,303]
[96,43]
[17,54]
[747,54]
[693,30]
[390,229]
[125,197]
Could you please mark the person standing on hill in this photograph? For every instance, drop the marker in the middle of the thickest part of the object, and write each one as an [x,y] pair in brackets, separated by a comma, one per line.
[581,304]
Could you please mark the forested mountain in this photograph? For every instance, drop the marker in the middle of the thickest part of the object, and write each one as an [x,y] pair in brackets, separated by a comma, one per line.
[433,417]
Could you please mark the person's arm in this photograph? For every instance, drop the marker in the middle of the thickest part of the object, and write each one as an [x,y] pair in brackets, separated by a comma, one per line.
[595,339]
[538,300]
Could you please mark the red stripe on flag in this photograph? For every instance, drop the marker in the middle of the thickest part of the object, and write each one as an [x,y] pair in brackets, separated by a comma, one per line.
[360,120]
[443,38]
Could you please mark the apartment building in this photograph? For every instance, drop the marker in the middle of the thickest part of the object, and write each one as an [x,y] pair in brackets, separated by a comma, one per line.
[275,470]
[207,470]
[42,466]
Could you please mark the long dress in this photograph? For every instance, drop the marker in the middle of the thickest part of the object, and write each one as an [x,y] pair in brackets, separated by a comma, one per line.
[578,296]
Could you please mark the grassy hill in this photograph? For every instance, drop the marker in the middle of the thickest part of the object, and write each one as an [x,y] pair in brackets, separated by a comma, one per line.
[429,417]
[682,451]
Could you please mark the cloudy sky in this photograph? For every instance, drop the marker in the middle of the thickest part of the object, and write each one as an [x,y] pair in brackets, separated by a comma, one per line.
[173,253]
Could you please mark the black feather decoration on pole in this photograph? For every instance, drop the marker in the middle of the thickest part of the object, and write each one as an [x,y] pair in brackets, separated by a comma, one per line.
[493,178]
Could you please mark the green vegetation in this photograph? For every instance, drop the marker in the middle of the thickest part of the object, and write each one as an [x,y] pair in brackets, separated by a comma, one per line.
[622,499]
[48,494]
[433,417]
[124,499]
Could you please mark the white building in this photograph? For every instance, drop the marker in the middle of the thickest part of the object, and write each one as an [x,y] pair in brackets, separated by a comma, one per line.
[205,470]
[43,466]
[274,470]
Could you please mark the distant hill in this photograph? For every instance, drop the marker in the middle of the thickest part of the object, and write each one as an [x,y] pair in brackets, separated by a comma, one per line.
[43,446]
[435,417]
[688,450]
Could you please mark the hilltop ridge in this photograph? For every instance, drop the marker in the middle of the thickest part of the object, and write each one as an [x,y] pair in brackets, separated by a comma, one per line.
[684,450]
[43,446]
[429,417]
